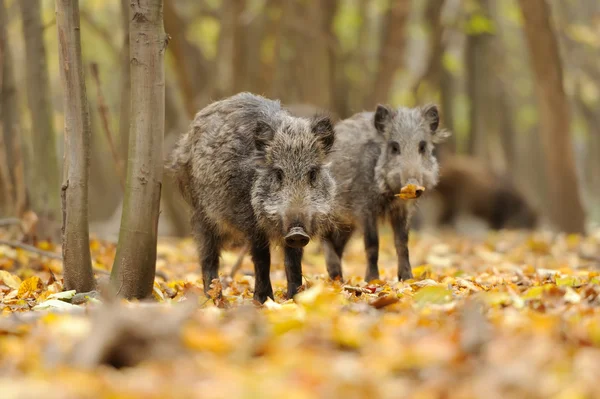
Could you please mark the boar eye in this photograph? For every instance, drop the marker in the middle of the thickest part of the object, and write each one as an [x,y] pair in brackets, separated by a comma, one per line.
[312,175]
[395,148]
[422,147]
[279,174]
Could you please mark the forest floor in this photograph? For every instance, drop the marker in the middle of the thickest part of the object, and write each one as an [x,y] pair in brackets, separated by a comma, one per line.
[509,315]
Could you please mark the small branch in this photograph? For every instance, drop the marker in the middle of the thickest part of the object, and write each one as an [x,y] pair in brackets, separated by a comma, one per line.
[103,110]
[238,263]
[50,24]
[30,248]
[41,252]
[9,221]
[102,32]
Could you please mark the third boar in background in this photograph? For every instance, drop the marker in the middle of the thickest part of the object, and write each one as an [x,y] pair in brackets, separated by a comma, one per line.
[252,172]
[375,156]
[470,187]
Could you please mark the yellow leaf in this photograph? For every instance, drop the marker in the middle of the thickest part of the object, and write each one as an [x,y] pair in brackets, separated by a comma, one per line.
[206,339]
[433,295]
[10,280]
[29,286]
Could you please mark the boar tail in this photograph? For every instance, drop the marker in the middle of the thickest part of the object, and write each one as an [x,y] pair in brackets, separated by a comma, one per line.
[179,166]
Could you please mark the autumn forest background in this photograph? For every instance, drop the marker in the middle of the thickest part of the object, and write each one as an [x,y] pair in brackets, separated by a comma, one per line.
[472,57]
[493,308]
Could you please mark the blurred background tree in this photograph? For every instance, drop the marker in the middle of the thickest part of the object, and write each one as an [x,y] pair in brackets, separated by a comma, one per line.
[479,59]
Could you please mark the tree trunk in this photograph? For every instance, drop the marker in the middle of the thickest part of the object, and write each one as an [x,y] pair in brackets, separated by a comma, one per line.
[10,119]
[239,50]
[480,86]
[392,51]
[125,86]
[45,187]
[189,62]
[273,32]
[435,77]
[135,262]
[6,180]
[77,262]
[566,210]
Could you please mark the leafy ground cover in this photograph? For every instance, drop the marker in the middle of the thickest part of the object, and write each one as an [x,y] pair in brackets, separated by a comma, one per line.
[510,315]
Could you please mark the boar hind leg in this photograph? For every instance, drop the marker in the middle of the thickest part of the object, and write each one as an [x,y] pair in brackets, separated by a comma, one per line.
[333,246]
[371,248]
[400,225]
[261,256]
[209,249]
[293,270]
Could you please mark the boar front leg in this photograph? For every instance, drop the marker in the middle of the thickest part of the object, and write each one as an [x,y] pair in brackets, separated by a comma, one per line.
[261,257]
[371,239]
[293,270]
[333,246]
[400,225]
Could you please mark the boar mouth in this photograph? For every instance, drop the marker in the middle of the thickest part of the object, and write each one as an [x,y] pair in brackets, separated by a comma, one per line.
[296,237]
[411,191]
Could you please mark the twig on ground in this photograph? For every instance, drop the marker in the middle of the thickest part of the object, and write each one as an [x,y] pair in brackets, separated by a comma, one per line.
[31,248]
[41,252]
[9,221]
[238,263]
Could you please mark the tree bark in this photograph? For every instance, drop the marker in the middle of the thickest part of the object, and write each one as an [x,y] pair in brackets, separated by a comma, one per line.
[45,187]
[78,274]
[392,51]
[125,85]
[566,209]
[135,262]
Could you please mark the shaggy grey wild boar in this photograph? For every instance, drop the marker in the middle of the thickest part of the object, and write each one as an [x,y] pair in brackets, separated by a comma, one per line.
[252,172]
[376,155]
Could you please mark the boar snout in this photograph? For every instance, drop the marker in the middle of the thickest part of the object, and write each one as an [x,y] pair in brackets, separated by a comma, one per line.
[296,238]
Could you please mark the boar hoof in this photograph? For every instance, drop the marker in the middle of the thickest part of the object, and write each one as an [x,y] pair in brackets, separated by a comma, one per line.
[262,296]
[371,276]
[405,275]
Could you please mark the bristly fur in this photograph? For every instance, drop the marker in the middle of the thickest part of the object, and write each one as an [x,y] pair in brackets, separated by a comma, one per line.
[250,170]
[375,155]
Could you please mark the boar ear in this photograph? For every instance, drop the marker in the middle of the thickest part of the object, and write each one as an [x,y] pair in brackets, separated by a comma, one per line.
[432,116]
[263,133]
[383,115]
[322,127]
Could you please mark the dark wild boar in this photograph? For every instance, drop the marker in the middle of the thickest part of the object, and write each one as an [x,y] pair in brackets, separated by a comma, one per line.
[376,156]
[254,173]
[468,186]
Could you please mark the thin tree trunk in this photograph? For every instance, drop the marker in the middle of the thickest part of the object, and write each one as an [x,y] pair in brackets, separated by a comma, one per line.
[10,123]
[6,186]
[135,262]
[125,86]
[77,262]
[591,118]
[268,67]
[189,62]
[392,51]
[480,87]
[45,187]
[239,50]
[566,209]
[436,77]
